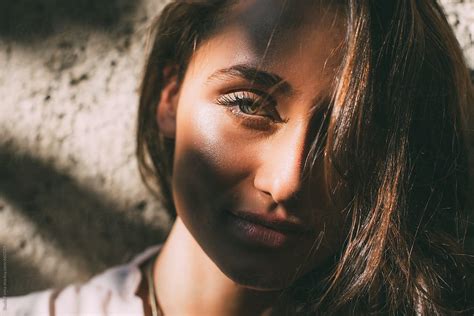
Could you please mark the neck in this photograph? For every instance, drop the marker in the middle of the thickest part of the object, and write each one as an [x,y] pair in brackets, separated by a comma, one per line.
[189,283]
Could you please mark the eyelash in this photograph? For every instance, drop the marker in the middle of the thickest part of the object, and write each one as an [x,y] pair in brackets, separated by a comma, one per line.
[238,100]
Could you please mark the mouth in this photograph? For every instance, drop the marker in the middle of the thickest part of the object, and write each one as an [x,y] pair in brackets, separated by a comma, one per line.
[262,230]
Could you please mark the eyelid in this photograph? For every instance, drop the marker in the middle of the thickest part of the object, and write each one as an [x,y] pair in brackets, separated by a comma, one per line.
[255,76]
[257,92]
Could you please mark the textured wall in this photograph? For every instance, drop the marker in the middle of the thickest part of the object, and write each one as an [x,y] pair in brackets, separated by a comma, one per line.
[71,201]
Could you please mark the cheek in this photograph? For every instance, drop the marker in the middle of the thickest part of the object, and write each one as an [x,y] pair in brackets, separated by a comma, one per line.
[209,158]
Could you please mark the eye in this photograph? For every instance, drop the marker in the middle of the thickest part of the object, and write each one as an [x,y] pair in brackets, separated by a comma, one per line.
[251,103]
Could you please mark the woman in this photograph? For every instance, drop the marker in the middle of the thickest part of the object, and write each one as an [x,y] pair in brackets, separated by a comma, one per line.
[314,155]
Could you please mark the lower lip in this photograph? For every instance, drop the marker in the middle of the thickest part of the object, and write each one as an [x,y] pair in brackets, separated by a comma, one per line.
[256,234]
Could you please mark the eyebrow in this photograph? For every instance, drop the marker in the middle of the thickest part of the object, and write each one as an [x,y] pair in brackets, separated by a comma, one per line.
[254,75]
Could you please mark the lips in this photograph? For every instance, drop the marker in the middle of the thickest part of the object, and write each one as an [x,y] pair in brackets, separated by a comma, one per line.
[264,230]
[272,222]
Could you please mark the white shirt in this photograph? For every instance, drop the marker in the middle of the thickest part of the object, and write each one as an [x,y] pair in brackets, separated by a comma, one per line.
[110,293]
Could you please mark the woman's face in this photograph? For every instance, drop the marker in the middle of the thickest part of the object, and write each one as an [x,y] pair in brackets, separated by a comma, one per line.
[247,111]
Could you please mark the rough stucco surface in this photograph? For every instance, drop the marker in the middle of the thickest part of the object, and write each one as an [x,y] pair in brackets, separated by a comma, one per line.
[71,200]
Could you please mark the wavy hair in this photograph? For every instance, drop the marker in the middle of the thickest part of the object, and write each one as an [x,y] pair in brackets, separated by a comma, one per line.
[396,143]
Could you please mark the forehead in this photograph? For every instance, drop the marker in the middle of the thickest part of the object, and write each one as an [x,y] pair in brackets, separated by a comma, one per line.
[300,41]
[282,23]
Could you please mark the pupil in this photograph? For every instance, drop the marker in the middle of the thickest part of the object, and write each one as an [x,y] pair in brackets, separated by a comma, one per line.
[249,107]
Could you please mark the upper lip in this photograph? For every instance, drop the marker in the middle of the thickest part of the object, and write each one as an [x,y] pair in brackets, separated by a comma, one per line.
[272,222]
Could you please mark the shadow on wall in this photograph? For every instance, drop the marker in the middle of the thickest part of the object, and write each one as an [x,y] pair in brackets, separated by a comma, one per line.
[19,284]
[25,20]
[85,227]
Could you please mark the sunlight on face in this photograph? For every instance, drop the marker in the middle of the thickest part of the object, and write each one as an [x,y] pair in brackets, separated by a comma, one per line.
[249,107]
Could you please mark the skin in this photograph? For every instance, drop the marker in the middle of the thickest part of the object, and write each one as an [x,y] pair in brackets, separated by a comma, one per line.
[227,159]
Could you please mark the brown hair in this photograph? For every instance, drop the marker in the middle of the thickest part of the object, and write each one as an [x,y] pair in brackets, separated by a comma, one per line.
[397,145]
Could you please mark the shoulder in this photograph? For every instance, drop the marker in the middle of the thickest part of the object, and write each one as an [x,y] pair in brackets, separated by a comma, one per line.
[110,293]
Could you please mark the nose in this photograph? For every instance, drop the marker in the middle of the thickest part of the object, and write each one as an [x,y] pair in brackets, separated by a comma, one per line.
[280,172]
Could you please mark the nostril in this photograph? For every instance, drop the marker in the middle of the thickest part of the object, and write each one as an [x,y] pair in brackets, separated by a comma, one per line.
[282,176]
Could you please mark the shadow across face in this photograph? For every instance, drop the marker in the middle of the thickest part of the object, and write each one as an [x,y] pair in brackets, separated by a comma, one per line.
[249,108]
[270,25]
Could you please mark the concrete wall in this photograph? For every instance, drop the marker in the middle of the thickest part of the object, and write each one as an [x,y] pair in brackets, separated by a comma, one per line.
[71,201]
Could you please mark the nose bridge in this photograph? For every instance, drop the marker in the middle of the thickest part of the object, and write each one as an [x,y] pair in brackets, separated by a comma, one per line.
[281,170]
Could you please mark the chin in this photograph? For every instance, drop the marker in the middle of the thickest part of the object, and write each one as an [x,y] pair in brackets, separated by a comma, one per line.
[259,285]
[257,280]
